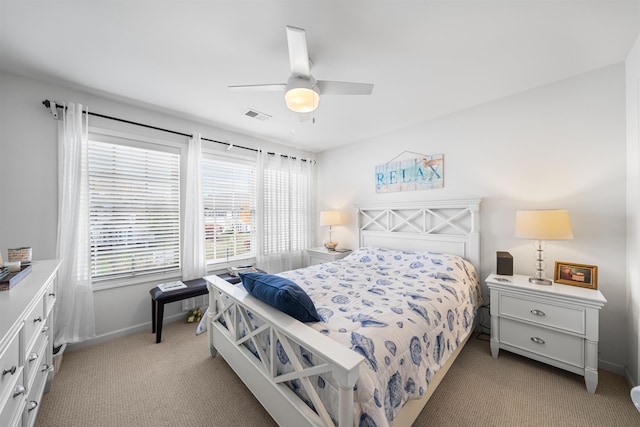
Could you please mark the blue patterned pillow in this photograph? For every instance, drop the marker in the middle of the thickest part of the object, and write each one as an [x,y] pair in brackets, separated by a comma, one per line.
[282,294]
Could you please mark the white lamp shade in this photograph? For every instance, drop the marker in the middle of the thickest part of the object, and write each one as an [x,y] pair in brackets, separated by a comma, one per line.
[543,225]
[330,218]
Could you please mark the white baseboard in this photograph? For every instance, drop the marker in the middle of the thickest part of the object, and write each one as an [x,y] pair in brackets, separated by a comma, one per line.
[123,332]
[630,380]
[612,367]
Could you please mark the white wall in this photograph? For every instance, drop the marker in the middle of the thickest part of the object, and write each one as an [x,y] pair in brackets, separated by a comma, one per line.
[28,173]
[561,145]
[633,214]
[557,146]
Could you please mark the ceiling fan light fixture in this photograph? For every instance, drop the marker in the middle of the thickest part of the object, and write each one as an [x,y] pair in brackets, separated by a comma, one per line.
[302,91]
[302,95]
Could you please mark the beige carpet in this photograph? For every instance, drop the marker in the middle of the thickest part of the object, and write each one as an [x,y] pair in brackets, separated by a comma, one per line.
[132,381]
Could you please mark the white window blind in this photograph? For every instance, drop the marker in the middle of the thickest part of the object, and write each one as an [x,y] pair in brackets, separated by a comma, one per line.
[229,197]
[134,210]
[286,210]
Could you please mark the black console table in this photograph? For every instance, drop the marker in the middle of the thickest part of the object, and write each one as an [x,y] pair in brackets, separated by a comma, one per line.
[195,288]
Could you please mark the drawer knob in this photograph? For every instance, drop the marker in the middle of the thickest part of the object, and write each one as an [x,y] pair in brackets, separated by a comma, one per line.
[32,405]
[45,367]
[37,319]
[52,294]
[33,356]
[537,340]
[18,391]
[45,329]
[538,313]
[11,370]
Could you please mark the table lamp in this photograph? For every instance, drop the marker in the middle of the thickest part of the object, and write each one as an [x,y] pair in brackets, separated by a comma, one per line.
[330,218]
[542,225]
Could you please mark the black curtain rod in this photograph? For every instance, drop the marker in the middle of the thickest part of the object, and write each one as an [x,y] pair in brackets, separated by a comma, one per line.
[48,104]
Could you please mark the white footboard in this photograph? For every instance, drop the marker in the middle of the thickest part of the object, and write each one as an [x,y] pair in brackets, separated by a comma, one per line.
[231,309]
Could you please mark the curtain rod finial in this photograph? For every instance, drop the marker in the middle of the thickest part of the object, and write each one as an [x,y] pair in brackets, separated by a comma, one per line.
[52,106]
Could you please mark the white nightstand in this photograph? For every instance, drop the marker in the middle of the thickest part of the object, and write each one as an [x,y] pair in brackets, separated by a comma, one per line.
[321,254]
[556,324]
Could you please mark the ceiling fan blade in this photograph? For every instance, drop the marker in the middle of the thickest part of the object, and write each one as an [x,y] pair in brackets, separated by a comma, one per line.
[344,88]
[298,54]
[276,87]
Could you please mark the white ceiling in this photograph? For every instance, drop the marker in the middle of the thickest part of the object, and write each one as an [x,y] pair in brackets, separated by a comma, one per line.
[426,58]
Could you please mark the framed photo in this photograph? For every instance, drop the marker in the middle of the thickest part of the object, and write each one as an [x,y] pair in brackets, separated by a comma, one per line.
[585,276]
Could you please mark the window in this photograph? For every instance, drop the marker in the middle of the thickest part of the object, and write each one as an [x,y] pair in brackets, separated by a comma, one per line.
[229,198]
[134,209]
[286,208]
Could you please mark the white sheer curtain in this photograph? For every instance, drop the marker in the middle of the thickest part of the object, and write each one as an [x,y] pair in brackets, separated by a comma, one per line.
[194,261]
[284,208]
[75,319]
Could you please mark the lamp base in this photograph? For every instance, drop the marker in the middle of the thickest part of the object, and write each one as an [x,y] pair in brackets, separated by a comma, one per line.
[331,245]
[536,281]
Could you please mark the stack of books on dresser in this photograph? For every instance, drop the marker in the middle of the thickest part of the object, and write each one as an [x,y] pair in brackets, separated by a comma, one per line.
[8,278]
[233,271]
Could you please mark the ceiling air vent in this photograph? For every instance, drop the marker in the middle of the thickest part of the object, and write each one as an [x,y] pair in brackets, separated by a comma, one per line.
[257,115]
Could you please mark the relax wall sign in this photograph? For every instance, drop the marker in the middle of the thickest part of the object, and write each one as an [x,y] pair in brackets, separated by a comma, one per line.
[420,173]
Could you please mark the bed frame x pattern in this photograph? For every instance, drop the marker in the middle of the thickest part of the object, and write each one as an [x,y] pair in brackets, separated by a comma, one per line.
[449,225]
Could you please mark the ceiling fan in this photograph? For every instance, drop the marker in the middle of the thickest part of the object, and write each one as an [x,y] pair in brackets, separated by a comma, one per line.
[302,91]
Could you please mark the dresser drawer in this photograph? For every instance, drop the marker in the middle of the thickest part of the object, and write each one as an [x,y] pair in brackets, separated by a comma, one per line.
[562,317]
[35,358]
[544,342]
[33,323]
[26,328]
[10,366]
[11,413]
[35,397]
[50,297]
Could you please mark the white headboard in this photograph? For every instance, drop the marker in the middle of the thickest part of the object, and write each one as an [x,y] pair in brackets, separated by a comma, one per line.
[445,225]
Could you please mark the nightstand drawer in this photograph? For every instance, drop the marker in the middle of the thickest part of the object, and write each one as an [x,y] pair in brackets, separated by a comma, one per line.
[545,342]
[567,318]
[321,255]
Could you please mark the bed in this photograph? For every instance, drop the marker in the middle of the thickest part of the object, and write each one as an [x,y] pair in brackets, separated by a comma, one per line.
[320,374]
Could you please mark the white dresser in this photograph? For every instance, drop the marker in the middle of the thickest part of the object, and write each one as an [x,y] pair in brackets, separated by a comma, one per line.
[26,344]
[556,324]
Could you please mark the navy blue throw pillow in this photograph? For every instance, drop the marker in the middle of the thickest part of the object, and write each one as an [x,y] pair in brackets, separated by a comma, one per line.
[282,294]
